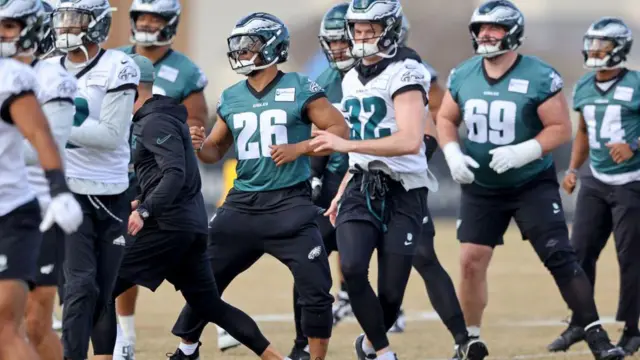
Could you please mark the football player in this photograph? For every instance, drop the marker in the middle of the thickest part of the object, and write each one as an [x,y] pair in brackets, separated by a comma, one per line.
[268,117]
[20,214]
[516,114]
[327,171]
[22,34]
[97,166]
[608,134]
[383,204]
[154,27]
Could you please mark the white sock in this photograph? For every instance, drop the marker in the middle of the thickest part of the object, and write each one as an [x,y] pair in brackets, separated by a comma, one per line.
[389,355]
[188,349]
[119,332]
[368,349]
[474,331]
[128,324]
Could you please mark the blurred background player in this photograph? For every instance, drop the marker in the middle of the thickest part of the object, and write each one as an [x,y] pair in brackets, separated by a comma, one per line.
[516,114]
[23,37]
[269,118]
[97,167]
[20,213]
[327,171]
[608,101]
[154,26]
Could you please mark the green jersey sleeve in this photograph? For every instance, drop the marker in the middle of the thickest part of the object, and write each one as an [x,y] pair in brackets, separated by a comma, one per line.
[550,83]
[197,82]
[309,91]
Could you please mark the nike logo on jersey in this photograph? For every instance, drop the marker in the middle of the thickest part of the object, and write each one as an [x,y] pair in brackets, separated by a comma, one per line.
[124,61]
[162,140]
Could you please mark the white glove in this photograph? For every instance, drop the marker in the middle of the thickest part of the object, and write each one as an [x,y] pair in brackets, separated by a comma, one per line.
[459,163]
[514,156]
[65,211]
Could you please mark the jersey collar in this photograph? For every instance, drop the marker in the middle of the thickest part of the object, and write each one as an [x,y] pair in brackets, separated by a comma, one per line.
[265,91]
[616,81]
[492,81]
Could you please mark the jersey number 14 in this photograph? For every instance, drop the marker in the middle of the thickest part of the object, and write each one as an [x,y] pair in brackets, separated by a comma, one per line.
[493,122]
[271,125]
[610,128]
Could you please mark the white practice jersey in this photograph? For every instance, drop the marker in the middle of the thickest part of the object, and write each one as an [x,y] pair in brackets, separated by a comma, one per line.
[372,105]
[16,79]
[56,94]
[110,72]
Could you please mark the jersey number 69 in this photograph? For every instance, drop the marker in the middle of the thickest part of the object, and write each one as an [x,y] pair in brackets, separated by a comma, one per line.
[493,121]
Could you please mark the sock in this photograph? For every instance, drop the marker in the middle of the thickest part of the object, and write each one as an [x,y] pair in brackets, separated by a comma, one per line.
[128,325]
[389,355]
[343,286]
[474,331]
[368,349]
[188,349]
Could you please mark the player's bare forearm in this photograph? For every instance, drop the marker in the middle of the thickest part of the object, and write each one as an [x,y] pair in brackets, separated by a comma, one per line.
[27,115]
[210,153]
[343,184]
[399,143]
[580,147]
[553,136]
[447,131]
[340,129]
[448,120]
[554,115]
[197,109]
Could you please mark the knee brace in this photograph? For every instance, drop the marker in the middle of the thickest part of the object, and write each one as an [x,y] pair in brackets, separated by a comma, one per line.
[317,322]
[564,266]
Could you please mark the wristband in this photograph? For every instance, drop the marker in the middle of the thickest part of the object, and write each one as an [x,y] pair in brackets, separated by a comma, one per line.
[634,145]
[431,146]
[571,171]
[57,182]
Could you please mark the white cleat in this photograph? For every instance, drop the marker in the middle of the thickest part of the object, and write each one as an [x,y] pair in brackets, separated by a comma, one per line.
[124,349]
[225,341]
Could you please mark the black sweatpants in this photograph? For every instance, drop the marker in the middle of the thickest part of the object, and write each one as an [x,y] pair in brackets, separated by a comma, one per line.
[600,210]
[92,259]
[180,258]
[239,239]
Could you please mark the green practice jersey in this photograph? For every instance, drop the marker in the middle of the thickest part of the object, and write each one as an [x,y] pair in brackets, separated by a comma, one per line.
[499,112]
[176,75]
[331,81]
[611,116]
[276,115]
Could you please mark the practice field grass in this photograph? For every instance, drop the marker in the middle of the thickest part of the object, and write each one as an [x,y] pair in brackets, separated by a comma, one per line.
[524,314]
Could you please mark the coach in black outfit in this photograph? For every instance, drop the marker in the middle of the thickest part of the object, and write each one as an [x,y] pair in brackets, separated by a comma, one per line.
[169,218]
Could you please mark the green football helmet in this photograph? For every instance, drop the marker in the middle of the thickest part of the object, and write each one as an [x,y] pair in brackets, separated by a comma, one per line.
[262,34]
[169,10]
[333,29]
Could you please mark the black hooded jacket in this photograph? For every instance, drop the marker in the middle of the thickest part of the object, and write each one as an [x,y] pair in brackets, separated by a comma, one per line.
[167,168]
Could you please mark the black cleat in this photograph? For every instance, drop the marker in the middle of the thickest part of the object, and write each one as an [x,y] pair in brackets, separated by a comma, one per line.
[360,354]
[179,355]
[629,343]
[300,352]
[473,349]
[571,335]
[600,345]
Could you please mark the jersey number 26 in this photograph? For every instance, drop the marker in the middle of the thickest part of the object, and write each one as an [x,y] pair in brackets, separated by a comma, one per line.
[493,121]
[271,125]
